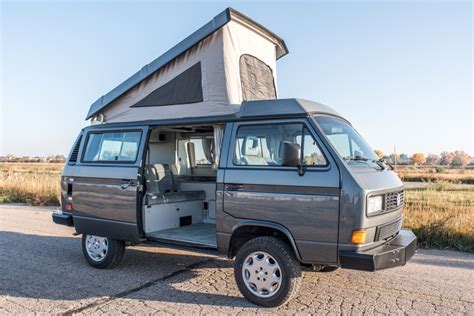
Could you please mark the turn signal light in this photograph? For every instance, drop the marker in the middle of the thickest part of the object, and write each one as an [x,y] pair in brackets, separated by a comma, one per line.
[358,237]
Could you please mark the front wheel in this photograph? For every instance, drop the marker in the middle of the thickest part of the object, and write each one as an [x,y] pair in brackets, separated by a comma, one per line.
[267,272]
[102,252]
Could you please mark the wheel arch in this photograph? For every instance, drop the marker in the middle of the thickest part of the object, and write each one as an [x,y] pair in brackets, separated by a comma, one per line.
[249,229]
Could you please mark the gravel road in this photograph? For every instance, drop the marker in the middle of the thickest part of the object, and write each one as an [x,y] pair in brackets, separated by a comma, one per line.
[42,270]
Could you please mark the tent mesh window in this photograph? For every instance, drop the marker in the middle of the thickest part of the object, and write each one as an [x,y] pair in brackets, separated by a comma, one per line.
[183,89]
[256,78]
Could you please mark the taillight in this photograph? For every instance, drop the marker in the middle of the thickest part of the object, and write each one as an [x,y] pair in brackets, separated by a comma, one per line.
[69,207]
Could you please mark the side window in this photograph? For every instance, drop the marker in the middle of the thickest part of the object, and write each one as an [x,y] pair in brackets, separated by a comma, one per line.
[112,146]
[203,150]
[312,153]
[260,145]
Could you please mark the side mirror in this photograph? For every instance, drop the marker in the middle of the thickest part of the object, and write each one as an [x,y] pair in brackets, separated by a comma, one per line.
[291,156]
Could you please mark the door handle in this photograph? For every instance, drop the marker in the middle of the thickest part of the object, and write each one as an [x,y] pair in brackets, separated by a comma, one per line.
[126,183]
[234,187]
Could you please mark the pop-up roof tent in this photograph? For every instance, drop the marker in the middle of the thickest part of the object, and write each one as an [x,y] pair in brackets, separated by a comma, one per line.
[229,60]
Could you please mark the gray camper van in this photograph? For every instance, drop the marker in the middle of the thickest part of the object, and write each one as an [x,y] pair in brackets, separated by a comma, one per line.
[276,184]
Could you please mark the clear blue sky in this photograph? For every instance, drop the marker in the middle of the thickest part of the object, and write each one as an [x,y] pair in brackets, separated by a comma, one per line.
[401,72]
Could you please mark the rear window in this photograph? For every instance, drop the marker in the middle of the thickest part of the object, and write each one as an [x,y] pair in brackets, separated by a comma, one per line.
[112,146]
[203,150]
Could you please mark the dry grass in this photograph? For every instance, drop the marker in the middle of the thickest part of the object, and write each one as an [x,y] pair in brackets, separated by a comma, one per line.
[32,183]
[442,215]
[427,174]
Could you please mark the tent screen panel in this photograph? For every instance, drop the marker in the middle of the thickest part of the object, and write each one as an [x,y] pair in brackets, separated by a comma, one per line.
[183,89]
[257,79]
[114,146]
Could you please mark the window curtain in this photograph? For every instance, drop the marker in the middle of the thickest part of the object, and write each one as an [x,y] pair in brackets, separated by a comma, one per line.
[207,148]
[218,136]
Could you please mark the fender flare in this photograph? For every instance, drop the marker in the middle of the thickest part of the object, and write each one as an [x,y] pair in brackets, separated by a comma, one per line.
[272,225]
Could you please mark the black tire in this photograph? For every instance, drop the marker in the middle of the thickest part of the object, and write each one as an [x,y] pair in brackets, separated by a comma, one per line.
[285,258]
[114,254]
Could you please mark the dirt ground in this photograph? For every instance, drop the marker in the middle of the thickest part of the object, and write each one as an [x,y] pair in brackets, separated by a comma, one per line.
[43,270]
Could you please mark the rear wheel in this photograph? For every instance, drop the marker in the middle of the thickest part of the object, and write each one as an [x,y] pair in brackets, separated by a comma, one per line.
[267,272]
[102,252]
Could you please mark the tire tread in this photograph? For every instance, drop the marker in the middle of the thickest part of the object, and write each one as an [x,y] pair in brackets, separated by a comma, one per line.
[113,258]
[289,260]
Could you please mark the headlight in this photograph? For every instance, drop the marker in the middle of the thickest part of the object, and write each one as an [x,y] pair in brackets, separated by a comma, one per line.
[374,204]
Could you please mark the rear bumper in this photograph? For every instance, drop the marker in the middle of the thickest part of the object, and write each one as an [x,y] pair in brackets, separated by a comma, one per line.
[392,254]
[63,219]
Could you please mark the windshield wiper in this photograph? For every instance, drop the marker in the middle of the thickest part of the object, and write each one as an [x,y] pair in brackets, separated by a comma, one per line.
[356,158]
[382,161]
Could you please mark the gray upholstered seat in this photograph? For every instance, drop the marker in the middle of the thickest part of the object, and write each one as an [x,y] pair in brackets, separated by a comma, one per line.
[161,189]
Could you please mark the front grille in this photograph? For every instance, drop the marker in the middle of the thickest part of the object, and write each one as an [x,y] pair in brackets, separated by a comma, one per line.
[394,200]
[388,230]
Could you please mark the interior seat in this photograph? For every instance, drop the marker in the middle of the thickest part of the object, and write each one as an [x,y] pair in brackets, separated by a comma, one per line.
[160,187]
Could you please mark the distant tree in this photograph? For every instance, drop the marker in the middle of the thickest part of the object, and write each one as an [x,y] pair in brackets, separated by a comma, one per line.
[404,158]
[460,159]
[379,153]
[446,158]
[418,159]
[394,158]
[432,159]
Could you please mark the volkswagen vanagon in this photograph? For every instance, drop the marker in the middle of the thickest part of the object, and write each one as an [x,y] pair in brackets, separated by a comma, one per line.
[195,150]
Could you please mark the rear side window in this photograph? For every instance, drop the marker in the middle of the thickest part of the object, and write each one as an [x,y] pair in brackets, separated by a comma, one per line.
[203,150]
[112,146]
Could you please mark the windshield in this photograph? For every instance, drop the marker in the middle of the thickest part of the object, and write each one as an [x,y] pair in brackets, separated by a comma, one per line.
[344,138]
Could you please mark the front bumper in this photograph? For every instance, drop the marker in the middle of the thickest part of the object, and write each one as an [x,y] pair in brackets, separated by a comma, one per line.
[63,219]
[394,253]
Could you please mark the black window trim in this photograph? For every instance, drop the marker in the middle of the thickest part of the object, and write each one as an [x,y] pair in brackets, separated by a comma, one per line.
[273,167]
[110,162]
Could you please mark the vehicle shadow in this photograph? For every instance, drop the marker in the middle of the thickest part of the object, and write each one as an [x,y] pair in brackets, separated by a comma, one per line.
[445,258]
[53,268]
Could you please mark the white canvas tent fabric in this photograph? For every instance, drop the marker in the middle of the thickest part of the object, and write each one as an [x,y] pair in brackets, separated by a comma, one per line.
[235,63]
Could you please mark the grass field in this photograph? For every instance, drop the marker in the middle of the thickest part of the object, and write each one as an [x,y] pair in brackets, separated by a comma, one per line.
[434,174]
[441,215]
[32,183]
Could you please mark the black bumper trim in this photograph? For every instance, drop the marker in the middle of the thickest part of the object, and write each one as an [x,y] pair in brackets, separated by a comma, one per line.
[394,253]
[63,219]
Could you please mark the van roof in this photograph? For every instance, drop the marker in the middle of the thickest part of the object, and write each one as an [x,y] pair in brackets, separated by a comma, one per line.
[283,107]
[209,28]
[260,109]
